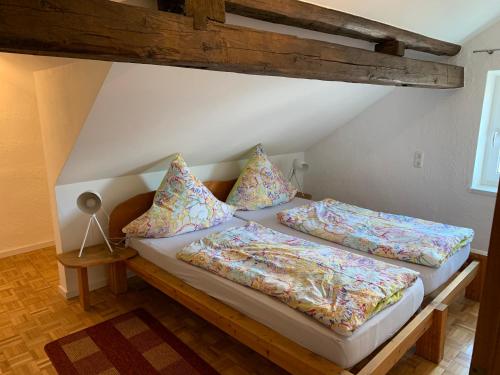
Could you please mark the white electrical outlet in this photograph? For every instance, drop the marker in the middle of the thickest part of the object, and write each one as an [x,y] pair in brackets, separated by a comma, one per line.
[418,159]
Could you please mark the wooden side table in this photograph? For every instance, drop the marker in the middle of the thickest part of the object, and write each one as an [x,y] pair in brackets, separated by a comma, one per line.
[95,256]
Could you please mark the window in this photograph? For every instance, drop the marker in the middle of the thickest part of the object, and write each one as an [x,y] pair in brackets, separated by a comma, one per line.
[487,167]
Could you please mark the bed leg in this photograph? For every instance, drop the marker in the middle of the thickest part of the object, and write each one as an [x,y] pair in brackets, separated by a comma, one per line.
[475,288]
[431,345]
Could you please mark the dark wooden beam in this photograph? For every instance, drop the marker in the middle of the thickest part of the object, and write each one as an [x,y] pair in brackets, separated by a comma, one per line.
[391,47]
[203,11]
[486,355]
[105,30]
[314,17]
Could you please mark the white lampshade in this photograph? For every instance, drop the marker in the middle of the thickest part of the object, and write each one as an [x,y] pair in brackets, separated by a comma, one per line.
[89,202]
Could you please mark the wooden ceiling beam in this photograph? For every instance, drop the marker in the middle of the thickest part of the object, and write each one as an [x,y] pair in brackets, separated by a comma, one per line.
[314,17]
[203,11]
[105,30]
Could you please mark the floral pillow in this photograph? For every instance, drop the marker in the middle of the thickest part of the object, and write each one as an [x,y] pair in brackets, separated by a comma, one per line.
[181,204]
[261,184]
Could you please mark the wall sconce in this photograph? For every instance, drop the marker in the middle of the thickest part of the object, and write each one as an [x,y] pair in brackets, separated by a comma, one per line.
[298,165]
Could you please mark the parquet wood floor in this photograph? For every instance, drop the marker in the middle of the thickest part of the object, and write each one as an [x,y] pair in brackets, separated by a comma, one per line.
[32,313]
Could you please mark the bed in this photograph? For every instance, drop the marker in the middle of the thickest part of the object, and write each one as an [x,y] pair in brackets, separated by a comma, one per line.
[345,351]
[432,278]
[285,341]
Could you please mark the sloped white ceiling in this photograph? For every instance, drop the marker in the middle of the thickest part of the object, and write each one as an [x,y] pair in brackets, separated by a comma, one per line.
[144,113]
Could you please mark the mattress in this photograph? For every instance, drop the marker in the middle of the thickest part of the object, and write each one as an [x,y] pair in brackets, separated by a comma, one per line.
[432,278]
[345,351]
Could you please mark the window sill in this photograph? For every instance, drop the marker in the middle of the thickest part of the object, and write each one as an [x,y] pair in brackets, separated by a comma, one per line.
[484,190]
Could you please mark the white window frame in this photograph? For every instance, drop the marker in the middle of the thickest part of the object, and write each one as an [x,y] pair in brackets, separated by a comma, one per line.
[487,165]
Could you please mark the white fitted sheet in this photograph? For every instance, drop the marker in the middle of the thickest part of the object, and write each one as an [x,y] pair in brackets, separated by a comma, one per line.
[432,278]
[345,351]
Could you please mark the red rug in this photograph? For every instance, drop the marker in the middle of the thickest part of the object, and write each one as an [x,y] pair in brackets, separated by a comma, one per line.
[132,343]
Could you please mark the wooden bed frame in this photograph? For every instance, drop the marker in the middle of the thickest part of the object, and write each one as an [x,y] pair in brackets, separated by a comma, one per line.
[426,329]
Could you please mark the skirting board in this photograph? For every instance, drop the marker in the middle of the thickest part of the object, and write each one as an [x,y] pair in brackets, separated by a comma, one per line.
[25,249]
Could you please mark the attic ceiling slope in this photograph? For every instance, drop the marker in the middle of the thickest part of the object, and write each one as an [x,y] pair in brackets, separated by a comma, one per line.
[144,113]
[106,30]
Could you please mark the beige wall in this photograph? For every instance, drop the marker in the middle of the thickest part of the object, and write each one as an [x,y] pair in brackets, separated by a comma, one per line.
[25,219]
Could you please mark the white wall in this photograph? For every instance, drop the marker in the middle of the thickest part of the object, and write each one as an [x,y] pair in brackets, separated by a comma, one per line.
[72,223]
[369,161]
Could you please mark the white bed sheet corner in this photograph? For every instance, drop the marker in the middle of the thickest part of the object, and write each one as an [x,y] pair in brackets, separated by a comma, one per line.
[345,351]
[432,278]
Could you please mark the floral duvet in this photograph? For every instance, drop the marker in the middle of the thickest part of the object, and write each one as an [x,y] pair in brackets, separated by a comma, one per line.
[339,289]
[387,235]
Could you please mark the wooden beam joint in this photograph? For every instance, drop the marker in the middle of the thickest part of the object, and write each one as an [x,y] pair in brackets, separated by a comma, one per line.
[391,47]
[204,10]
[201,11]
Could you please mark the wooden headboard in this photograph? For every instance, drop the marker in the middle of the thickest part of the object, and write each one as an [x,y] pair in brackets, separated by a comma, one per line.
[134,207]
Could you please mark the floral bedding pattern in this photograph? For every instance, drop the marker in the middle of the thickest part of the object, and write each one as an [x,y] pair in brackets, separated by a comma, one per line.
[181,204]
[339,289]
[261,184]
[387,235]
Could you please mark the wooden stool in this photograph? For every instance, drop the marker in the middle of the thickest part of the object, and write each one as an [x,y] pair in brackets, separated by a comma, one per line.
[95,256]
